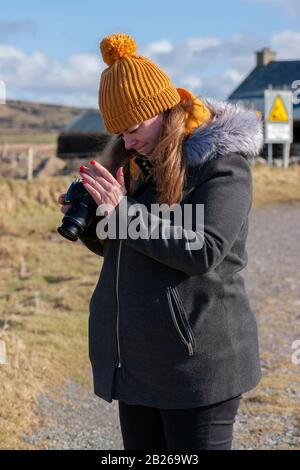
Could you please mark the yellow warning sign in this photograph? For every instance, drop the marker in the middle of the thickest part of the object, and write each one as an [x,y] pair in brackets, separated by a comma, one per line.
[278,112]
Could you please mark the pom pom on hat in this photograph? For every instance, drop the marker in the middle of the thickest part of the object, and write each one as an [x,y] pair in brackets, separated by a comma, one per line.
[117,45]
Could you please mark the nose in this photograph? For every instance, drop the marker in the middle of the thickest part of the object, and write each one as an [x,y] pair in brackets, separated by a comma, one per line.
[129,142]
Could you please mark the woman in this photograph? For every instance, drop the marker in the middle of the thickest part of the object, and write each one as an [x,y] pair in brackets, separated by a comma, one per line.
[171,333]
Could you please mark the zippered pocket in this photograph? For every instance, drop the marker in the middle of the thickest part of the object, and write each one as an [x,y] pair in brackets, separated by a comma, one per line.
[180,321]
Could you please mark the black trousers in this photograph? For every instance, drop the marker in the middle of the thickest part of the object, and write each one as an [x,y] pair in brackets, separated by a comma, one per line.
[203,428]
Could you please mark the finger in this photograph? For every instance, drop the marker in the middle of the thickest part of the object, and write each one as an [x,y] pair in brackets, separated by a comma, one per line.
[102,181]
[93,192]
[60,199]
[65,208]
[83,167]
[93,182]
[103,171]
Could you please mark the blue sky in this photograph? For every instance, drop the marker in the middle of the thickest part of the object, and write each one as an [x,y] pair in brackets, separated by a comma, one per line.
[49,51]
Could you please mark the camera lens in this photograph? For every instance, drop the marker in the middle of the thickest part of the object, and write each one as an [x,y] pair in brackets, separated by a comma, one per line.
[70,229]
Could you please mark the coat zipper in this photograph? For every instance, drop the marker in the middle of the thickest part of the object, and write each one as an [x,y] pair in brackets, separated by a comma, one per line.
[171,292]
[185,321]
[118,364]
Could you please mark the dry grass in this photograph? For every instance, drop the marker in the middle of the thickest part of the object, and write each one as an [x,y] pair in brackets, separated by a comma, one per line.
[45,288]
[39,138]
[44,295]
[272,185]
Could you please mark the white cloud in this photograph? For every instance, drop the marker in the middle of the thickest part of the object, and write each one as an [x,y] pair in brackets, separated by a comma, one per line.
[36,75]
[191,81]
[209,66]
[160,47]
[205,65]
[10,52]
[234,75]
[286,44]
[202,43]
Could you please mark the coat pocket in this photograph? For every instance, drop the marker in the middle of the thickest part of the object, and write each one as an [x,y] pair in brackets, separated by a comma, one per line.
[180,320]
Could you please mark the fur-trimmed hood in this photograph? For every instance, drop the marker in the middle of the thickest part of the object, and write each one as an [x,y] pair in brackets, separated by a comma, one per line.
[233,129]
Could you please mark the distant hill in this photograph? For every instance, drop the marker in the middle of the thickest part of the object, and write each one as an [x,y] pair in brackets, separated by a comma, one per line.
[30,118]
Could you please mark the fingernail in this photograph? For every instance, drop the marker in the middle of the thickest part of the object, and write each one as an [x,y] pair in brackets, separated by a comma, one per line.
[82,168]
[92,162]
[84,181]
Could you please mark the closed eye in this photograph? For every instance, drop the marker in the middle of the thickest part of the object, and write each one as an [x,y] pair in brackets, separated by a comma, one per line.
[134,130]
[129,132]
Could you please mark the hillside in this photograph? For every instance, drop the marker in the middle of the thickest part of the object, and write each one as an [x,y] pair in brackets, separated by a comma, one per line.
[31,118]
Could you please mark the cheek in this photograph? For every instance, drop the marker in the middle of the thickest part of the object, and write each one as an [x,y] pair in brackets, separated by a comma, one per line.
[151,136]
[155,135]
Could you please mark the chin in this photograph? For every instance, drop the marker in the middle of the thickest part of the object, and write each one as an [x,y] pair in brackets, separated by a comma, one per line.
[143,151]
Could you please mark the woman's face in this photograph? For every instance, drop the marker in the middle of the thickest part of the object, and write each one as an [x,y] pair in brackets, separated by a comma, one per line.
[143,137]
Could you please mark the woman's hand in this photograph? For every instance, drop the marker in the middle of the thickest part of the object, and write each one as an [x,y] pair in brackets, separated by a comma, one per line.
[102,186]
[64,206]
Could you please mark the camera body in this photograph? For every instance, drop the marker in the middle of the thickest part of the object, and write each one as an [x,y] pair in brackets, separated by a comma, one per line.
[81,212]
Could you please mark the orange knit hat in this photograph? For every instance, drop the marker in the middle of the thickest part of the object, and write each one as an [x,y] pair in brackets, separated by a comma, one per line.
[133,88]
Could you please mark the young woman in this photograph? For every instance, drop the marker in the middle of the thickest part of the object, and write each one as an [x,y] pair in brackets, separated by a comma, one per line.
[172,335]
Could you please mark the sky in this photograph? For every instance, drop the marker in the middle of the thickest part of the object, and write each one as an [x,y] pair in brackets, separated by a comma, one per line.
[49,51]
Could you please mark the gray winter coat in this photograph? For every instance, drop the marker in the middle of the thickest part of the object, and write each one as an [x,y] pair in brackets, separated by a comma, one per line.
[171,327]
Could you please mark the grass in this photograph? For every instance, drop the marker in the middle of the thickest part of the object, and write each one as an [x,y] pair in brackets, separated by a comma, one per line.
[45,287]
[272,185]
[39,138]
[44,295]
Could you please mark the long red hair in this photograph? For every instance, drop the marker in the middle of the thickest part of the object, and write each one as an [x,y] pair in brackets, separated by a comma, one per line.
[169,169]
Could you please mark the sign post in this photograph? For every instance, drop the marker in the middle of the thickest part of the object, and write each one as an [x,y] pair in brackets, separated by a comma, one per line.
[279,122]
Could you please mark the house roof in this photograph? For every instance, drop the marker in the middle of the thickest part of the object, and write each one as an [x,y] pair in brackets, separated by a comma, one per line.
[87,122]
[279,74]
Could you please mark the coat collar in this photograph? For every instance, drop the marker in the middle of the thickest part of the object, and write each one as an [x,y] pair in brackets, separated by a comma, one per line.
[233,128]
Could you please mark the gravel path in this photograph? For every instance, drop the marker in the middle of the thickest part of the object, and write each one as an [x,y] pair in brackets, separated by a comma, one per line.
[269,415]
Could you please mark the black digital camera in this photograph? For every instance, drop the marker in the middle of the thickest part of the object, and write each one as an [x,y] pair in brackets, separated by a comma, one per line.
[80,214]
